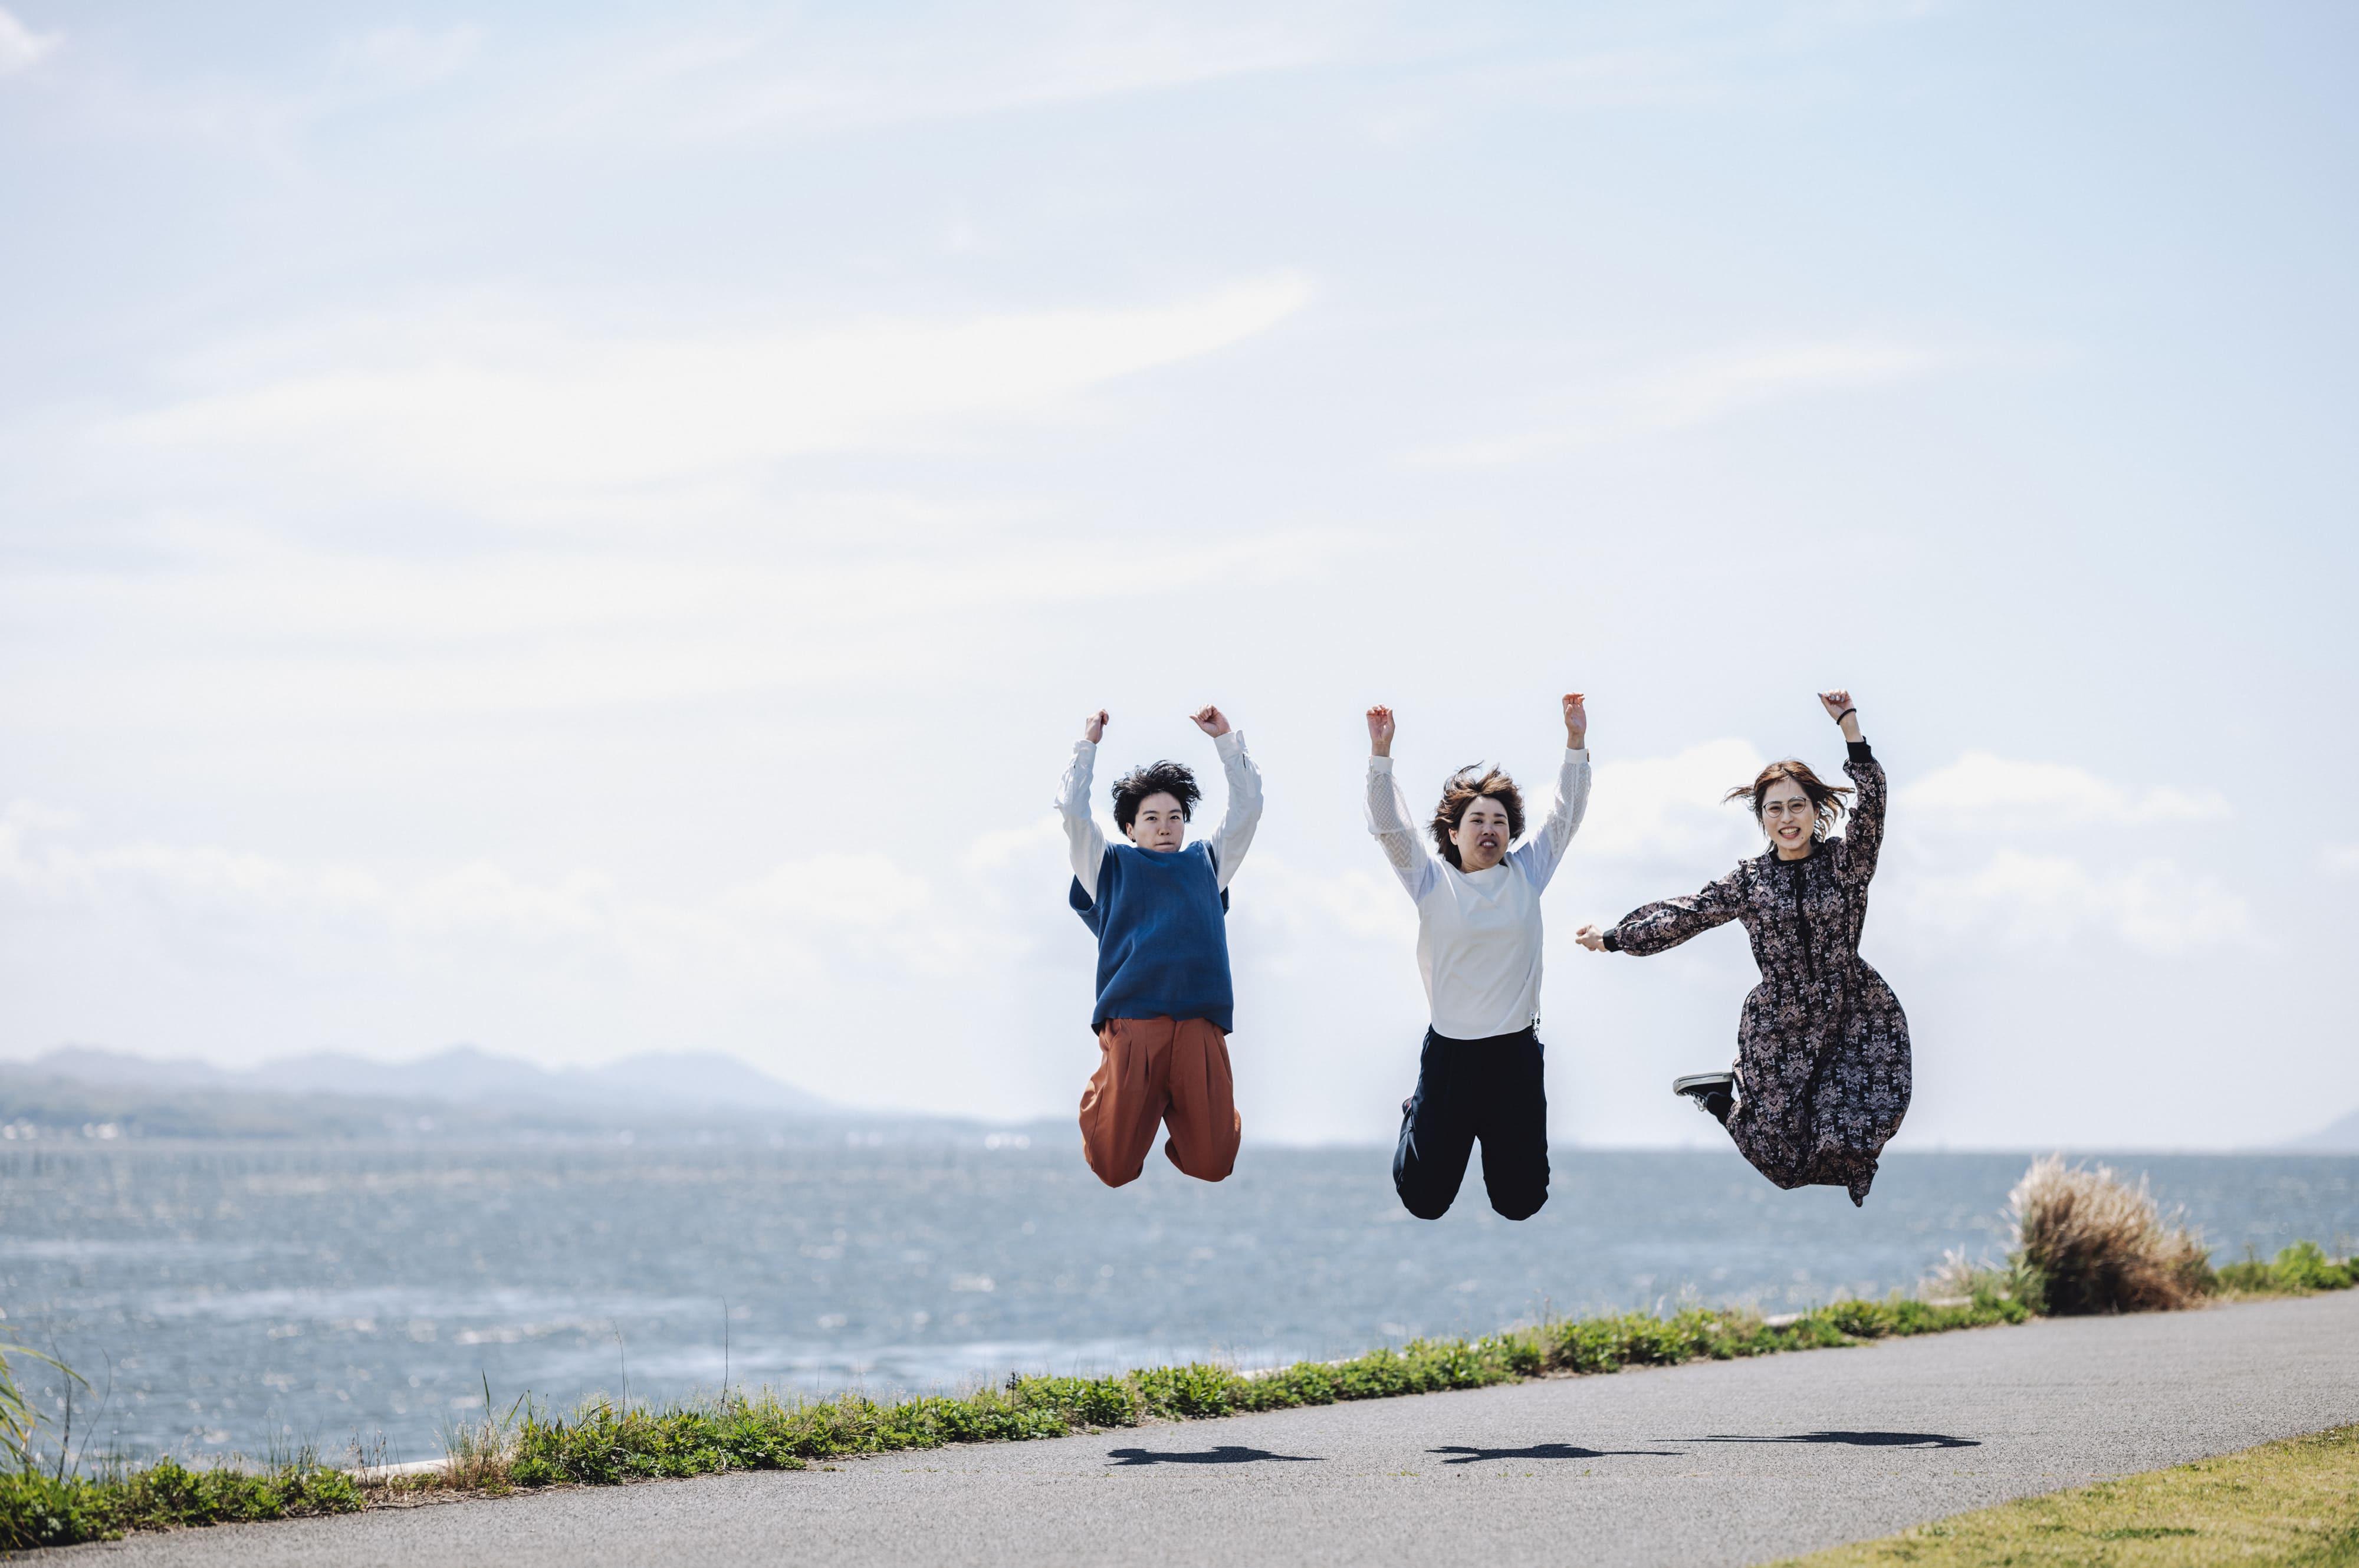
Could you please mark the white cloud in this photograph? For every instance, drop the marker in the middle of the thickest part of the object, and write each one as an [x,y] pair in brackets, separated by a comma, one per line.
[1980,783]
[21,47]
[796,73]
[1657,826]
[799,917]
[2021,901]
[284,630]
[1940,884]
[2053,883]
[1700,390]
[516,414]
[1670,808]
[1356,904]
[2078,856]
[798,77]
[997,849]
[403,58]
[1709,387]
[1864,13]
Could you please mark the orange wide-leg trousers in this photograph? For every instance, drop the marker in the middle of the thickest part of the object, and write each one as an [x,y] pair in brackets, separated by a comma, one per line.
[1152,1070]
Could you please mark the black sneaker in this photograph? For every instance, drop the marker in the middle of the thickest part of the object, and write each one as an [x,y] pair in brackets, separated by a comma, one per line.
[1714,1093]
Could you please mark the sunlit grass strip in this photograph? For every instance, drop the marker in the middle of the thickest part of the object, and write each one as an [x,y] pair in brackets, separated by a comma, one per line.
[603,1443]
[2282,1503]
[2298,1270]
[38,1508]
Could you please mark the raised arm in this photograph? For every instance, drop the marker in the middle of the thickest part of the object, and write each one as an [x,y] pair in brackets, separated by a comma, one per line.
[1863,839]
[1085,841]
[1656,927]
[1237,831]
[1544,849]
[1388,817]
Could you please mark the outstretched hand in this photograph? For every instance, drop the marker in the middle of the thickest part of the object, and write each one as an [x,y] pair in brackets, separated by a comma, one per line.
[1841,709]
[1590,937]
[1576,721]
[1093,727]
[1380,731]
[1211,721]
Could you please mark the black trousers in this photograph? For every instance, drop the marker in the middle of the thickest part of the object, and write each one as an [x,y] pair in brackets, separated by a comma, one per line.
[1470,1090]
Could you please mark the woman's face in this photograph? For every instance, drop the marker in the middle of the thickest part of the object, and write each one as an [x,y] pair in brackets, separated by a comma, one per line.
[1161,825]
[1480,835]
[1789,820]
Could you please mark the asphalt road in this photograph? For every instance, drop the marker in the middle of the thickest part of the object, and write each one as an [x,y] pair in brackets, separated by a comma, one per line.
[1726,1463]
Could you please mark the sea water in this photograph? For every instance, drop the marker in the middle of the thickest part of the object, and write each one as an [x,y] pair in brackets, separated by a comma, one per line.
[249,1298]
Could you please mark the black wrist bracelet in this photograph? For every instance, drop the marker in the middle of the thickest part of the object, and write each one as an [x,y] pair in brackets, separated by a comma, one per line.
[1844,714]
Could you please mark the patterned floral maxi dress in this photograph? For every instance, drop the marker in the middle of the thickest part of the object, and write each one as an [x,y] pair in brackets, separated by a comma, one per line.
[1822,1047]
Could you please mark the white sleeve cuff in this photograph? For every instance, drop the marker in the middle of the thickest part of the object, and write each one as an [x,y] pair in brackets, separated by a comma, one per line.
[1576,754]
[1380,763]
[1231,744]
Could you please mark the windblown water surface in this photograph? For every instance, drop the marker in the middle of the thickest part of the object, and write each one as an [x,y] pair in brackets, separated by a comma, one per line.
[243,1297]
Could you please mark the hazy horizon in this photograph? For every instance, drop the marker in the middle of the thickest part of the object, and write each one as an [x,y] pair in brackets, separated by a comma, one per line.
[839,1111]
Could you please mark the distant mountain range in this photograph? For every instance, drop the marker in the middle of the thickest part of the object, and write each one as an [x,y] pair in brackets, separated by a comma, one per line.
[464,1074]
[2336,1137]
[464,1089]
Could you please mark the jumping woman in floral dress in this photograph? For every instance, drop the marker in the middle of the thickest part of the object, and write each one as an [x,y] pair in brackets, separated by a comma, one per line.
[1822,1074]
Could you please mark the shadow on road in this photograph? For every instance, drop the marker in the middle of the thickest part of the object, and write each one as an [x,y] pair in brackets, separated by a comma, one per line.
[1858,1439]
[1228,1454]
[1546,1451]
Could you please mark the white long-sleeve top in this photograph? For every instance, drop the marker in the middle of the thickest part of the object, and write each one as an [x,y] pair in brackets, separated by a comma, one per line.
[1478,932]
[1087,840]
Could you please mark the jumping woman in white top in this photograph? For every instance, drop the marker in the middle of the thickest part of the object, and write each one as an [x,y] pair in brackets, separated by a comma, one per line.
[1478,948]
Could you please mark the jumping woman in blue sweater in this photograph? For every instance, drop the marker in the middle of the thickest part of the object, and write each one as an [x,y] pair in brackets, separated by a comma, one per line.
[1159,906]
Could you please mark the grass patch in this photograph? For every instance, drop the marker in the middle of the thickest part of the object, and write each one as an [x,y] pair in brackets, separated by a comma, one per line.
[604,1442]
[2300,1269]
[38,1508]
[2290,1502]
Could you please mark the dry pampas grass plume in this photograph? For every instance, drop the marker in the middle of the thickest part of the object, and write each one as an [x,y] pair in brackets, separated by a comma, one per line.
[2096,1244]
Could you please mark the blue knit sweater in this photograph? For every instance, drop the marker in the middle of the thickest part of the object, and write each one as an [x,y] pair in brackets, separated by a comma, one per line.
[1163,946]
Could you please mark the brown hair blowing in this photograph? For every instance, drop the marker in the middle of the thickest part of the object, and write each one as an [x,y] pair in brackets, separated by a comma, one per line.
[1465,788]
[1824,805]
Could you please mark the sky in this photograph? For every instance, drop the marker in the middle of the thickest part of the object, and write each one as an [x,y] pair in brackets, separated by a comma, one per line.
[588,529]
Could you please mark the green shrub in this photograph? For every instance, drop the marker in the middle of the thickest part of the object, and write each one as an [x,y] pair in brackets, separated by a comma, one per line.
[1083,1401]
[49,1510]
[1188,1392]
[37,1510]
[2298,1270]
[2305,1267]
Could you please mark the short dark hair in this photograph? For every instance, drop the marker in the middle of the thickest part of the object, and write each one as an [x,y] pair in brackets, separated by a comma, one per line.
[1825,806]
[1468,785]
[1155,779]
